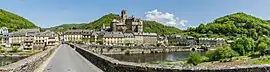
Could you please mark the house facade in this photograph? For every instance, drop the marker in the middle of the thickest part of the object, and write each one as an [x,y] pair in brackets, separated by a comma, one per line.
[211,42]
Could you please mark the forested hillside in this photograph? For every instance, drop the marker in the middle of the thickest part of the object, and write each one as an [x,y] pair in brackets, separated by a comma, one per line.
[13,21]
[236,25]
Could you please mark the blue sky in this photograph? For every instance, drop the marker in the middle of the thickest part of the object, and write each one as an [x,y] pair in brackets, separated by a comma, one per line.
[180,13]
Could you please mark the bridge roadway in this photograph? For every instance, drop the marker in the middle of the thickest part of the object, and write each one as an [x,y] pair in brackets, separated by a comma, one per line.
[67,59]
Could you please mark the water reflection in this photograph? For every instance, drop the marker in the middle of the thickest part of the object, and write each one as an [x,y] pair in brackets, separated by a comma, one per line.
[9,60]
[141,58]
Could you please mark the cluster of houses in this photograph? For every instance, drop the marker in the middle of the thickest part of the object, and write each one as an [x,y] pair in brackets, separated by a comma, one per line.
[110,38]
[191,41]
[144,39]
[28,39]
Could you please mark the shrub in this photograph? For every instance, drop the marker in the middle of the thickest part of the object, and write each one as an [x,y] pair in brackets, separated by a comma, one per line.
[15,49]
[221,53]
[195,58]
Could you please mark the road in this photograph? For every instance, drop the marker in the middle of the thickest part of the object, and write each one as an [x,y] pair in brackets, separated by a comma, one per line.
[68,60]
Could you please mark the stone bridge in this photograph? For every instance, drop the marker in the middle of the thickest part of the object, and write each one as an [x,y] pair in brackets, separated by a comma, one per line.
[73,58]
[109,64]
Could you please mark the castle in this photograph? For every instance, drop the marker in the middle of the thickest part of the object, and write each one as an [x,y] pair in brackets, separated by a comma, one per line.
[127,24]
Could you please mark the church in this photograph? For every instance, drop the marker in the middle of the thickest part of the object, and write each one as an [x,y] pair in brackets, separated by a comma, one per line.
[127,24]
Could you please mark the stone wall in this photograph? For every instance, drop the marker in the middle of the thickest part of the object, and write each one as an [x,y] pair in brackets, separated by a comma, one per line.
[108,64]
[132,49]
[28,64]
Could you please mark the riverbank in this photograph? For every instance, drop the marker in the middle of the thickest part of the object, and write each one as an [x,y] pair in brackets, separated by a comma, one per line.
[20,54]
[102,49]
[149,57]
[233,63]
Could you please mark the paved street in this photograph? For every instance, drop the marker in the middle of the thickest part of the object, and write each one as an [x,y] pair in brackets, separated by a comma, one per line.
[68,60]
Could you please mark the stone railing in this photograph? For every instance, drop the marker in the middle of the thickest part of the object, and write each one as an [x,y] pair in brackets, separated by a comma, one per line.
[28,64]
[108,64]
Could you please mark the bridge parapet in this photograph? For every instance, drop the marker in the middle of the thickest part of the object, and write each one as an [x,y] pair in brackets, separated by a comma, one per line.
[28,64]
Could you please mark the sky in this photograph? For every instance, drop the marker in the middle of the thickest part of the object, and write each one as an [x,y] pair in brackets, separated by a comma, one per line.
[178,13]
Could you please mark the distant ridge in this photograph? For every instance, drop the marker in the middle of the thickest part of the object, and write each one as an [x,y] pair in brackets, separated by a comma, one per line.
[149,26]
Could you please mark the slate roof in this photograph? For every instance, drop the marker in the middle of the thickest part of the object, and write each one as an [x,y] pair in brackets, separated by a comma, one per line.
[150,34]
[114,35]
[211,39]
[78,32]
[130,35]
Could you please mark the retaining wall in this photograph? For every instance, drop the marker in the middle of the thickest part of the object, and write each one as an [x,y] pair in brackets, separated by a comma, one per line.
[132,49]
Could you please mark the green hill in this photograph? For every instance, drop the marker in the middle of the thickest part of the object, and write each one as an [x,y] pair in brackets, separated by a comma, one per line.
[13,21]
[237,24]
[152,26]
[267,21]
[149,26]
[106,19]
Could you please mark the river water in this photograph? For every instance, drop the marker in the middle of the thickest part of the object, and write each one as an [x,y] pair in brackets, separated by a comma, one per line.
[148,57]
[9,60]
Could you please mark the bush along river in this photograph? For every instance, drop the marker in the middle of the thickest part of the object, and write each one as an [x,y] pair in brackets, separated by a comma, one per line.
[9,60]
[150,57]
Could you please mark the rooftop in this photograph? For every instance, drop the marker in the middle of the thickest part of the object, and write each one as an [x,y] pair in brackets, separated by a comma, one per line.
[113,34]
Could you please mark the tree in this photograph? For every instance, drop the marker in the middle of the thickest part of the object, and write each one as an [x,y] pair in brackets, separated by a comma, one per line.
[262,47]
[195,58]
[226,52]
[221,53]
[212,55]
[263,44]
[243,46]
[252,33]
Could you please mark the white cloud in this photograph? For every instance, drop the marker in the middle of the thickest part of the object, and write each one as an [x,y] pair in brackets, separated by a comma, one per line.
[165,18]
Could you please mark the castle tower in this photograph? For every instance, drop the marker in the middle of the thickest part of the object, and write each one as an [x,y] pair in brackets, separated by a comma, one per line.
[113,25]
[103,27]
[123,15]
[140,27]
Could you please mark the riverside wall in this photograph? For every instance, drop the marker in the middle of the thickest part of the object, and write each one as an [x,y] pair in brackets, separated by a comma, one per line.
[133,49]
[108,64]
[28,64]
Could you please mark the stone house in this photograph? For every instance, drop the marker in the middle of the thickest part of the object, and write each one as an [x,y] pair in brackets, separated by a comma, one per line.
[182,40]
[129,39]
[138,38]
[149,38]
[211,42]
[3,30]
[73,35]
[113,38]
[53,39]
